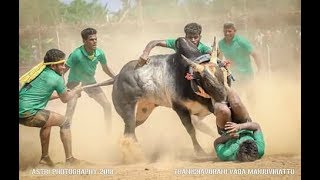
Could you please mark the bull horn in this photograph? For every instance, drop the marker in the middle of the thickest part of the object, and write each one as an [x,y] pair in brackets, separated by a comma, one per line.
[196,67]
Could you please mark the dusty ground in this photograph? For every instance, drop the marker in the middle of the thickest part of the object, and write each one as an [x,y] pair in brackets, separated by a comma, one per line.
[165,144]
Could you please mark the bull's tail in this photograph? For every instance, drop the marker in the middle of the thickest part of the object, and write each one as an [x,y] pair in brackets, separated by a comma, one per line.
[103,83]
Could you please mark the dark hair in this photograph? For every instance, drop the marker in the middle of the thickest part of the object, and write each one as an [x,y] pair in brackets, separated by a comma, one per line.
[54,55]
[193,28]
[248,151]
[87,32]
[229,25]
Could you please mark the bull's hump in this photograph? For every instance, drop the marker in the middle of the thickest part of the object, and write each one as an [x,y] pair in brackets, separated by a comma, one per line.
[156,80]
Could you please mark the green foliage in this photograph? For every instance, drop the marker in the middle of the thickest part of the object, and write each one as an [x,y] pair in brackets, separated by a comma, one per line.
[52,12]
[39,12]
[36,17]
[155,9]
[80,11]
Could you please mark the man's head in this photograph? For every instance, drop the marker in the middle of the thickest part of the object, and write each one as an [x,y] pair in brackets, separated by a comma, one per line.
[55,58]
[193,32]
[248,151]
[229,30]
[89,38]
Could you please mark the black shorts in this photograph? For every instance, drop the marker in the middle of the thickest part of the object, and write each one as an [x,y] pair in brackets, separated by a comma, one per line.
[221,131]
[37,120]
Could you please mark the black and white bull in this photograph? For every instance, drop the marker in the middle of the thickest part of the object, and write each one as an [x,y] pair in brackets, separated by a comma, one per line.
[137,91]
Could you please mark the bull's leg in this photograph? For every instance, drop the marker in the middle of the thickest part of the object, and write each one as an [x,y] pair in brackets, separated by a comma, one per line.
[128,115]
[144,109]
[130,149]
[185,118]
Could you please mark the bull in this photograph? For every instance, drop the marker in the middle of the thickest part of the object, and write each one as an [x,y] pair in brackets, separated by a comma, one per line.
[138,91]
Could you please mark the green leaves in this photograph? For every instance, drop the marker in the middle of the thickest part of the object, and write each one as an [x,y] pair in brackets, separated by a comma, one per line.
[52,12]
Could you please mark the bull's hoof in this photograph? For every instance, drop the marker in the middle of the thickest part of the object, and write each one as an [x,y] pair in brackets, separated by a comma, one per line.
[131,151]
[130,138]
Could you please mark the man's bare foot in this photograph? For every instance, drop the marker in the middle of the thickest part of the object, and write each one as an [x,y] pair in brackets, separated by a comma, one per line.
[75,162]
[46,161]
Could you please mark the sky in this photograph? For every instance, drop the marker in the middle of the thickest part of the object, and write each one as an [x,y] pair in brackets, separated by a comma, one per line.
[113,5]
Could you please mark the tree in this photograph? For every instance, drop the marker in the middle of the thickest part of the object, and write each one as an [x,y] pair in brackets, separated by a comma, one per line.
[43,12]
[83,12]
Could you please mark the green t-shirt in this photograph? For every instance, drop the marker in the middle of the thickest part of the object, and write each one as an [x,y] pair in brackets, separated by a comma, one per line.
[82,68]
[238,52]
[228,150]
[171,43]
[35,95]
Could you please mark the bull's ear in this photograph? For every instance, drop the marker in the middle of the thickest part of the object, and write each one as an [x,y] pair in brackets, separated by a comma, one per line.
[196,67]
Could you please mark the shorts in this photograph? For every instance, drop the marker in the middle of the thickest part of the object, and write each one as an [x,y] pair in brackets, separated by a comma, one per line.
[90,91]
[37,120]
[221,131]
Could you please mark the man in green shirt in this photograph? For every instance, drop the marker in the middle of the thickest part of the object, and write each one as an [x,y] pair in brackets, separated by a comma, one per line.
[238,50]
[192,33]
[41,84]
[82,63]
[242,142]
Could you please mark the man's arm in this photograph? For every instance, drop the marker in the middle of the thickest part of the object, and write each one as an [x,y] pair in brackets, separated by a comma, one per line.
[69,94]
[108,71]
[257,59]
[66,69]
[221,140]
[232,127]
[253,126]
[54,95]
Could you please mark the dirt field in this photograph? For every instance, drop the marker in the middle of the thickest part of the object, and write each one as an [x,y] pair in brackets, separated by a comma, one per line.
[167,151]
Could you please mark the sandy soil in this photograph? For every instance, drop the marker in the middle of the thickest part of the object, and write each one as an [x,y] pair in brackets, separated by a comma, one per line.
[166,147]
